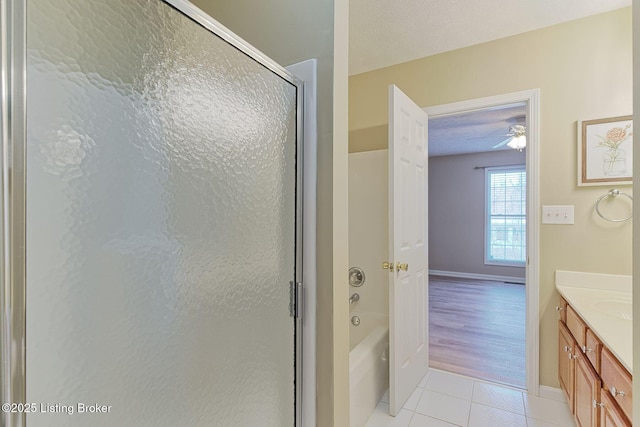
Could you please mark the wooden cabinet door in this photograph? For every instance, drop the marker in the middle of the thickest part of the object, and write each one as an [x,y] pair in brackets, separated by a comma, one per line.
[610,414]
[586,392]
[618,381]
[566,347]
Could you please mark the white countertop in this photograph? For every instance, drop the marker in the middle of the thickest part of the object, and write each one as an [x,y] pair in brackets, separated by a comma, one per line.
[601,301]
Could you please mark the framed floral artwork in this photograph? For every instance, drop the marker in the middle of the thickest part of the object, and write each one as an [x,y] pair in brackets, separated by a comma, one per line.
[605,151]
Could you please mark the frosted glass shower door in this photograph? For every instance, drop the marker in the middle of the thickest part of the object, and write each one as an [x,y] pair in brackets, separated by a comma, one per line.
[161,221]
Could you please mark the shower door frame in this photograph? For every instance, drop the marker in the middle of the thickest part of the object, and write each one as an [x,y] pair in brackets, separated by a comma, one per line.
[13,310]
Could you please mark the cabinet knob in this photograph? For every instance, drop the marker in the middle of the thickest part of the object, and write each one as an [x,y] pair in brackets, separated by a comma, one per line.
[597,405]
[586,350]
[571,356]
[558,308]
[615,392]
[566,348]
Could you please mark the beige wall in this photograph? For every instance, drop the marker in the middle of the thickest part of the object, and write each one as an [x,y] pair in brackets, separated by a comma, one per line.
[584,71]
[368,228]
[291,31]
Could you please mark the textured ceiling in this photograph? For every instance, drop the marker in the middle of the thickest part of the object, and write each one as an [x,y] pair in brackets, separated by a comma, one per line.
[473,132]
[388,32]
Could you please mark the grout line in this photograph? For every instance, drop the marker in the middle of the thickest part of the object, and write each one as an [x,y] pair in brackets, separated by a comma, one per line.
[413,414]
[499,409]
[470,400]
[473,389]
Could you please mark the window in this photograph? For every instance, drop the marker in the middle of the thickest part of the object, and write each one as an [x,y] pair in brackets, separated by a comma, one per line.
[506,224]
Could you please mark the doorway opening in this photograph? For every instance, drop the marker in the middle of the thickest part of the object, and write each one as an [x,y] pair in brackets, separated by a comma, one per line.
[483,239]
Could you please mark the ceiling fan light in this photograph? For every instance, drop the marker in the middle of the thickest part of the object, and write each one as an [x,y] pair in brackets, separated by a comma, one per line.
[518,142]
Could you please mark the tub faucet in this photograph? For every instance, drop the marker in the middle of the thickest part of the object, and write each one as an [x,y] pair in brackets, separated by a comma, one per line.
[354,298]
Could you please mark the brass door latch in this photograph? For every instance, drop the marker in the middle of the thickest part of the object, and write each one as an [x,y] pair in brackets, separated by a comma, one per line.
[399,266]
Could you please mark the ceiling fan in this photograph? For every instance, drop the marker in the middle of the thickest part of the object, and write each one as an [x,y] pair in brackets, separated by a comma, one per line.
[516,138]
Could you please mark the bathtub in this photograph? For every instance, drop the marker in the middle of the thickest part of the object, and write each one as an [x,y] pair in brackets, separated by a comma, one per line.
[368,365]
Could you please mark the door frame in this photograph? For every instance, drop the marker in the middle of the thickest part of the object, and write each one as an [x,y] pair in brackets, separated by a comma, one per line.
[13,116]
[531,99]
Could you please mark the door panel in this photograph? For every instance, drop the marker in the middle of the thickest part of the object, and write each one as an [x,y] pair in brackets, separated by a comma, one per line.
[408,290]
[587,391]
[161,224]
[566,363]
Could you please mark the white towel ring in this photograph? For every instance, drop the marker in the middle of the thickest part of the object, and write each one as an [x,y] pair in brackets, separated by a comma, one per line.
[613,193]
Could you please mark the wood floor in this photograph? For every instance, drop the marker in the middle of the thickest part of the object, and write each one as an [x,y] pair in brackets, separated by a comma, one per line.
[477,328]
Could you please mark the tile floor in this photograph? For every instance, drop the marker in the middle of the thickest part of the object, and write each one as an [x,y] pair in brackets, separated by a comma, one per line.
[445,400]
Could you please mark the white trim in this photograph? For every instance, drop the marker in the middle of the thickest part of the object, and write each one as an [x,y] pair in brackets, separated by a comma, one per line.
[552,393]
[493,277]
[307,72]
[531,98]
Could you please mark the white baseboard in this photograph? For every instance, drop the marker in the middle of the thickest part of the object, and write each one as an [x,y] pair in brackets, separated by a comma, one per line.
[552,393]
[478,276]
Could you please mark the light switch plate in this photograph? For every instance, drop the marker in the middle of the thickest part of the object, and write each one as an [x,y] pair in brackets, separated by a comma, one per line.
[557,214]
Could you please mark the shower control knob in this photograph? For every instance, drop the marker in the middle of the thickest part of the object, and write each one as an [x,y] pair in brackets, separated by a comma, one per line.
[356,276]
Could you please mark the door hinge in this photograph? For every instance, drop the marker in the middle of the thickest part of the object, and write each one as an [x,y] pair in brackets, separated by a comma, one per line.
[295,301]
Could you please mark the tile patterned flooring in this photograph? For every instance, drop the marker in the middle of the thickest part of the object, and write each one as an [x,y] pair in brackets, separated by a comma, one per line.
[443,399]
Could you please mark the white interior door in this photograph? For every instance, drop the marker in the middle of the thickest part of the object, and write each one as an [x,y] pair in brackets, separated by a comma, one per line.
[408,271]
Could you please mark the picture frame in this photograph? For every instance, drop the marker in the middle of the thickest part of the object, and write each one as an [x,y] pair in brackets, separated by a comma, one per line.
[605,151]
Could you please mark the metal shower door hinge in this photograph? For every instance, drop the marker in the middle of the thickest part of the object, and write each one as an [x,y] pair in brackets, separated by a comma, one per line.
[295,304]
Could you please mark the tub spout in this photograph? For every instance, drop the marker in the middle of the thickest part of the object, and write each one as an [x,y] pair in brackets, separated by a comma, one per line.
[354,298]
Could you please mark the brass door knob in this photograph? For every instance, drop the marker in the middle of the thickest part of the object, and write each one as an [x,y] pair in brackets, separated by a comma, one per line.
[387,266]
[403,267]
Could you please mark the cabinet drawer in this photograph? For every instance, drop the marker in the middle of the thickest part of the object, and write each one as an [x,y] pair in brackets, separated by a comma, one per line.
[615,375]
[577,327]
[561,308]
[592,349]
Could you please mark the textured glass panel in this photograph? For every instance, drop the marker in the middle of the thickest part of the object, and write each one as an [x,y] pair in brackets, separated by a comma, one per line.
[160,223]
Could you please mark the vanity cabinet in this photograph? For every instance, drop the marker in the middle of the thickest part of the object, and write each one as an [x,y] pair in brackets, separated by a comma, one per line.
[616,382]
[577,326]
[609,415]
[597,386]
[586,393]
[566,368]
[593,349]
